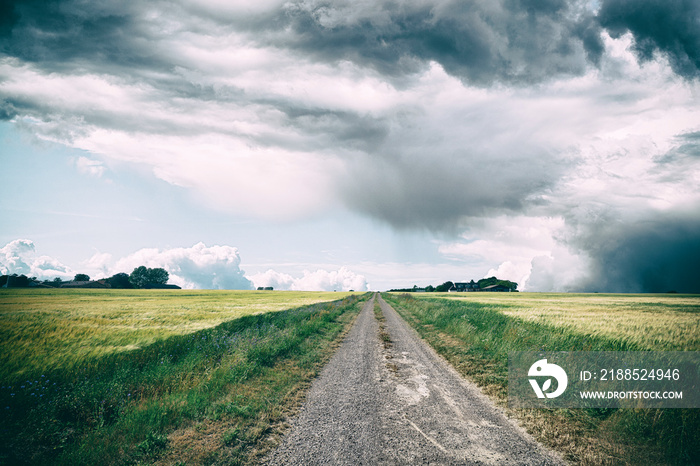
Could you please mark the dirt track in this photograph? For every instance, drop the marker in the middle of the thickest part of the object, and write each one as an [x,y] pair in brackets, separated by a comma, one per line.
[399,405]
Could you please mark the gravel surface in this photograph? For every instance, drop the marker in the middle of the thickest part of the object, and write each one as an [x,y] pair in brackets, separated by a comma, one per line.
[399,405]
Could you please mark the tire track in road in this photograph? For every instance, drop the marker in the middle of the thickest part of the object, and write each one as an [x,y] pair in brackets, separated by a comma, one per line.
[399,405]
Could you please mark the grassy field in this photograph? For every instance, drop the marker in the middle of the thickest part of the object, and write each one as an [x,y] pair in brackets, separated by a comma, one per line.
[41,328]
[476,331]
[149,377]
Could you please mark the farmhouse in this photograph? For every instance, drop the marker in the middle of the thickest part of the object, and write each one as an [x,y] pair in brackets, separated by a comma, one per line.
[460,287]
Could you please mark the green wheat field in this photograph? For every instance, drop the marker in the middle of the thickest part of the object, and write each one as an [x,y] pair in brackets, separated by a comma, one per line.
[140,377]
[47,328]
[656,322]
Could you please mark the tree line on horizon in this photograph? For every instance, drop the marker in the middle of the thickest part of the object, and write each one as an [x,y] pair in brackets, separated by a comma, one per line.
[445,287]
[140,277]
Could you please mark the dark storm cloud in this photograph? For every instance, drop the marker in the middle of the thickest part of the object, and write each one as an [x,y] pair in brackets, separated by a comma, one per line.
[671,27]
[439,191]
[588,30]
[7,110]
[8,17]
[509,41]
[517,41]
[70,35]
[655,255]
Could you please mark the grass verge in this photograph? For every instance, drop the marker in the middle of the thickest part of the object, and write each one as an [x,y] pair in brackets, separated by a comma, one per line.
[214,396]
[476,338]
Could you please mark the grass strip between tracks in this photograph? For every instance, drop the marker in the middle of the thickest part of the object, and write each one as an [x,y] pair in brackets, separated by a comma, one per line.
[214,396]
[476,338]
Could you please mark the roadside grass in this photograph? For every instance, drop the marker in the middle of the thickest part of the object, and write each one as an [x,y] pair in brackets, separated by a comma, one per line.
[213,396]
[61,328]
[476,334]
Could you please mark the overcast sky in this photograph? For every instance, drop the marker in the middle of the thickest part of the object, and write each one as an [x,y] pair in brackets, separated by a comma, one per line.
[353,144]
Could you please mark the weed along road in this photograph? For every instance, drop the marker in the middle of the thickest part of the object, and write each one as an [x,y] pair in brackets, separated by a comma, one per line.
[398,402]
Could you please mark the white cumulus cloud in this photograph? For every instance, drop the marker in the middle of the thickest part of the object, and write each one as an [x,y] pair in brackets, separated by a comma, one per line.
[20,257]
[559,271]
[215,267]
[342,279]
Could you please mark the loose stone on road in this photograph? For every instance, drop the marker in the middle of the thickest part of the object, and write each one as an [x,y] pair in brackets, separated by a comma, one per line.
[399,405]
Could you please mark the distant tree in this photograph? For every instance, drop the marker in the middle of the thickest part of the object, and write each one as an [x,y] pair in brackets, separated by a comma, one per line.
[158,276]
[484,282]
[139,277]
[444,287]
[142,277]
[81,277]
[429,289]
[57,281]
[120,280]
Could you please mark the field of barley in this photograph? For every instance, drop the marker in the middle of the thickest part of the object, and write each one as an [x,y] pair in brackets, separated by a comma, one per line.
[657,322]
[52,328]
[148,376]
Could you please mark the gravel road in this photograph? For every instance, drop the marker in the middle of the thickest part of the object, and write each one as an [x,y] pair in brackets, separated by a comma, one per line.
[402,405]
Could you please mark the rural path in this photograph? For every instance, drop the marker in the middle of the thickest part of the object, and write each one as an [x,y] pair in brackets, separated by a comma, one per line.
[402,405]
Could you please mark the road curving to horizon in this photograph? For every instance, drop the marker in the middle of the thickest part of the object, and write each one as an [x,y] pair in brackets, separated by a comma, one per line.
[399,405]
